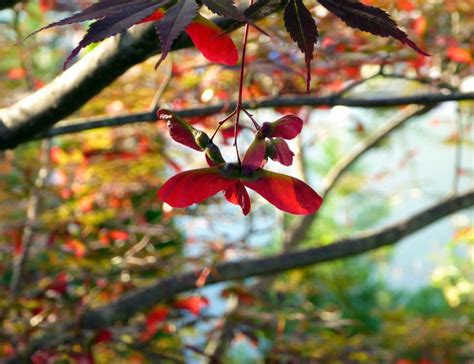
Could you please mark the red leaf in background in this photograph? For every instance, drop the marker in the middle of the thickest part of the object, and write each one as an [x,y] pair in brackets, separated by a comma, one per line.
[103,336]
[213,43]
[420,25]
[280,152]
[458,54]
[46,5]
[287,127]
[193,304]
[83,358]
[44,357]
[153,321]
[287,193]
[75,247]
[229,133]
[194,186]
[157,316]
[16,239]
[119,235]
[238,195]
[16,73]
[56,154]
[406,5]
[60,283]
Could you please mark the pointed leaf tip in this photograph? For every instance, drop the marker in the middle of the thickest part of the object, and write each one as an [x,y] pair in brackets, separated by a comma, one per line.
[175,21]
[369,19]
[302,28]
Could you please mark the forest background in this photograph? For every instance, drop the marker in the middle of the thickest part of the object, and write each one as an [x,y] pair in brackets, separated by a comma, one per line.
[94,268]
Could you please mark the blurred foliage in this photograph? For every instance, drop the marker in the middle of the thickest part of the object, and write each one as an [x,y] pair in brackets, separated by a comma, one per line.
[99,231]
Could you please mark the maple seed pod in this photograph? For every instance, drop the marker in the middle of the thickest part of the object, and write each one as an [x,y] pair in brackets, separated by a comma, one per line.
[182,132]
[201,138]
[213,154]
[277,149]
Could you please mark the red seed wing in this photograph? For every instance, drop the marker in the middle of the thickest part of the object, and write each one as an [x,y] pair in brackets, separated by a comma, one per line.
[193,186]
[287,193]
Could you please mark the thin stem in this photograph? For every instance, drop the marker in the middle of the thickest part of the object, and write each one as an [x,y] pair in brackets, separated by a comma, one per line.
[19,262]
[222,122]
[255,124]
[458,152]
[241,88]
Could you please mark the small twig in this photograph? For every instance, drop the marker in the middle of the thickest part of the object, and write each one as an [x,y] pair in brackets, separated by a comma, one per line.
[163,85]
[34,202]
[458,153]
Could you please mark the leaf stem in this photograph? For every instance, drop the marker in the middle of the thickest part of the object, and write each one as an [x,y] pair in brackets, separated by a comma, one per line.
[222,122]
[239,107]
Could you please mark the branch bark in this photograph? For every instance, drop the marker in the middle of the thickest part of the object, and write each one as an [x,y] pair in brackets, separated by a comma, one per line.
[80,125]
[145,298]
[73,88]
[169,287]
[85,79]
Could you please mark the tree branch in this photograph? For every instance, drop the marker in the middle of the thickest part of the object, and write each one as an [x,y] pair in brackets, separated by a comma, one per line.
[80,125]
[145,298]
[169,287]
[73,88]
[302,225]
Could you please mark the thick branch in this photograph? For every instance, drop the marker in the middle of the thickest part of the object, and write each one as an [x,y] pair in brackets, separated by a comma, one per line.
[73,88]
[288,100]
[169,287]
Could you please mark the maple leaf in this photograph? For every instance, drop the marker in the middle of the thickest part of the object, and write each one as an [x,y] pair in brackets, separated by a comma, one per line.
[116,16]
[112,17]
[228,9]
[303,30]
[370,19]
[175,21]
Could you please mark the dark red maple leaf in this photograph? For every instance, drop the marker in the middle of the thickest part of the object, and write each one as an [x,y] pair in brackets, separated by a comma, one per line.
[112,17]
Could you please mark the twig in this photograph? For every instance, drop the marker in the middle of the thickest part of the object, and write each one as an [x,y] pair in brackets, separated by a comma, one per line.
[287,100]
[458,153]
[303,224]
[34,202]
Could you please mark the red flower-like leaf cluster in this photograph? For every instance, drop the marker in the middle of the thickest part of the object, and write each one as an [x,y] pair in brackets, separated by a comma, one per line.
[287,193]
